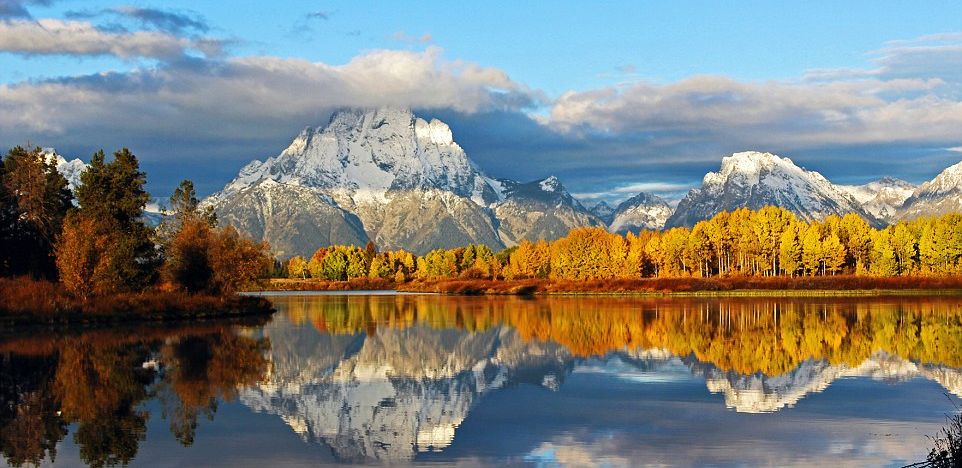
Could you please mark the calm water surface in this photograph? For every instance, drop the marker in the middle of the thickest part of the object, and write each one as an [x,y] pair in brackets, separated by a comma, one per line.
[384,379]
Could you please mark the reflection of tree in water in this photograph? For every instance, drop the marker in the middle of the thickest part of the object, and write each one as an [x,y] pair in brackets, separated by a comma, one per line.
[200,370]
[29,426]
[771,336]
[99,380]
[99,386]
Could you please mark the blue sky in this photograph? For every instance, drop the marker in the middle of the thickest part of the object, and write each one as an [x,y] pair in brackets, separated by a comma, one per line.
[609,96]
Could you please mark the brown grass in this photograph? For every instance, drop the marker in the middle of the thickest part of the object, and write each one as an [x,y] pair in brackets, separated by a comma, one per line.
[26,301]
[293,284]
[687,285]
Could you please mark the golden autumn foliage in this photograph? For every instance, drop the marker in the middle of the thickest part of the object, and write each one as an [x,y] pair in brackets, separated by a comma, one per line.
[83,258]
[772,336]
[769,242]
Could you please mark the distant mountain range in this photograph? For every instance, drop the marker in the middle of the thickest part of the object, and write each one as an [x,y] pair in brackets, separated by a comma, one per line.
[389,176]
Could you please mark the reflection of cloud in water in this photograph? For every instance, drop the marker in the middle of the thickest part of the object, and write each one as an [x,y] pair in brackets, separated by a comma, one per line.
[645,366]
[616,450]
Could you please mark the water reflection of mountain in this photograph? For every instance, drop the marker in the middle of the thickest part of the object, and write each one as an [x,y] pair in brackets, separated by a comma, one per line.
[386,378]
[758,393]
[398,392]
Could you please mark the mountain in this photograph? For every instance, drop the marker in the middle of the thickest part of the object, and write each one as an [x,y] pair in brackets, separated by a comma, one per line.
[603,211]
[881,198]
[70,170]
[941,195]
[542,209]
[389,176]
[754,180]
[642,211]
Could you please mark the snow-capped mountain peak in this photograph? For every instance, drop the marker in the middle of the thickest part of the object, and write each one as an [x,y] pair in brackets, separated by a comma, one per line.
[70,170]
[941,195]
[367,154]
[391,177]
[755,179]
[640,212]
[883,197]
[551,184]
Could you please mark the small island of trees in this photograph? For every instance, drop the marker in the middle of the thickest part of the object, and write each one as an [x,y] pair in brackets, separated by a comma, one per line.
[95,257]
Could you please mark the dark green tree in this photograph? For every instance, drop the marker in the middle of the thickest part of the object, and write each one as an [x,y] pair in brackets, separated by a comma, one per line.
[184,205]
[112,194]
[34,199]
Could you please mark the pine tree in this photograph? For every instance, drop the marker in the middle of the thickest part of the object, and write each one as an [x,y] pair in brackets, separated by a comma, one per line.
[112,195]
[34,200]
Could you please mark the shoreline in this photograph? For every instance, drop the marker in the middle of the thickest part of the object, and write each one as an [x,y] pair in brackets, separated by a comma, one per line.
[38,303]
[830,286]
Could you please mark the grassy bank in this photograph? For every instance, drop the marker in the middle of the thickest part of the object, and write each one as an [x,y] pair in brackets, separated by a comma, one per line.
[841,285]
[731,286]
[311,284]
[28,301]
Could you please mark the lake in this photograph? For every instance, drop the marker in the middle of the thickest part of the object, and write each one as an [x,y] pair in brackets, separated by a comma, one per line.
[420,379]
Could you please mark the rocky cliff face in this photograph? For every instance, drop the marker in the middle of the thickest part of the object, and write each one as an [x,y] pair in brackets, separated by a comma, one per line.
[542,209]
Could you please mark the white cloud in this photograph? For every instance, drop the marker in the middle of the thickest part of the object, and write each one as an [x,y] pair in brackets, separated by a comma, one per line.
[59,37]
[248,97]
[762,114]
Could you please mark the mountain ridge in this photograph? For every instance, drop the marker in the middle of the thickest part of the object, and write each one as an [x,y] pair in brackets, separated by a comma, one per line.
[753,179]
[406,181]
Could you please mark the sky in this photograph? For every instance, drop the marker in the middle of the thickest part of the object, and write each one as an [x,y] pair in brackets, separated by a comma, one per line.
[611,97]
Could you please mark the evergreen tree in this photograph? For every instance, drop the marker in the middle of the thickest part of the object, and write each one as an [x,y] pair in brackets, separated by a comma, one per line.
[34,200]
[184,205]
[112,195]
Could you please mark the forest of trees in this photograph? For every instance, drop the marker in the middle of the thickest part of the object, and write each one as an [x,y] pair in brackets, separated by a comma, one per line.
[767,242]
[94,241]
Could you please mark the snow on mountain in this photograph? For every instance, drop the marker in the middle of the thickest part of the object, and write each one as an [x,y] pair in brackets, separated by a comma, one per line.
[640,212]
[391,177]
[752,179]
[70,170]
[882,198]
[603,211]
[941,195]
[542,209]
[365,155]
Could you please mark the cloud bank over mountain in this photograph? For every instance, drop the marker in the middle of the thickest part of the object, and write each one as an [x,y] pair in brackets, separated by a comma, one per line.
[190,106]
